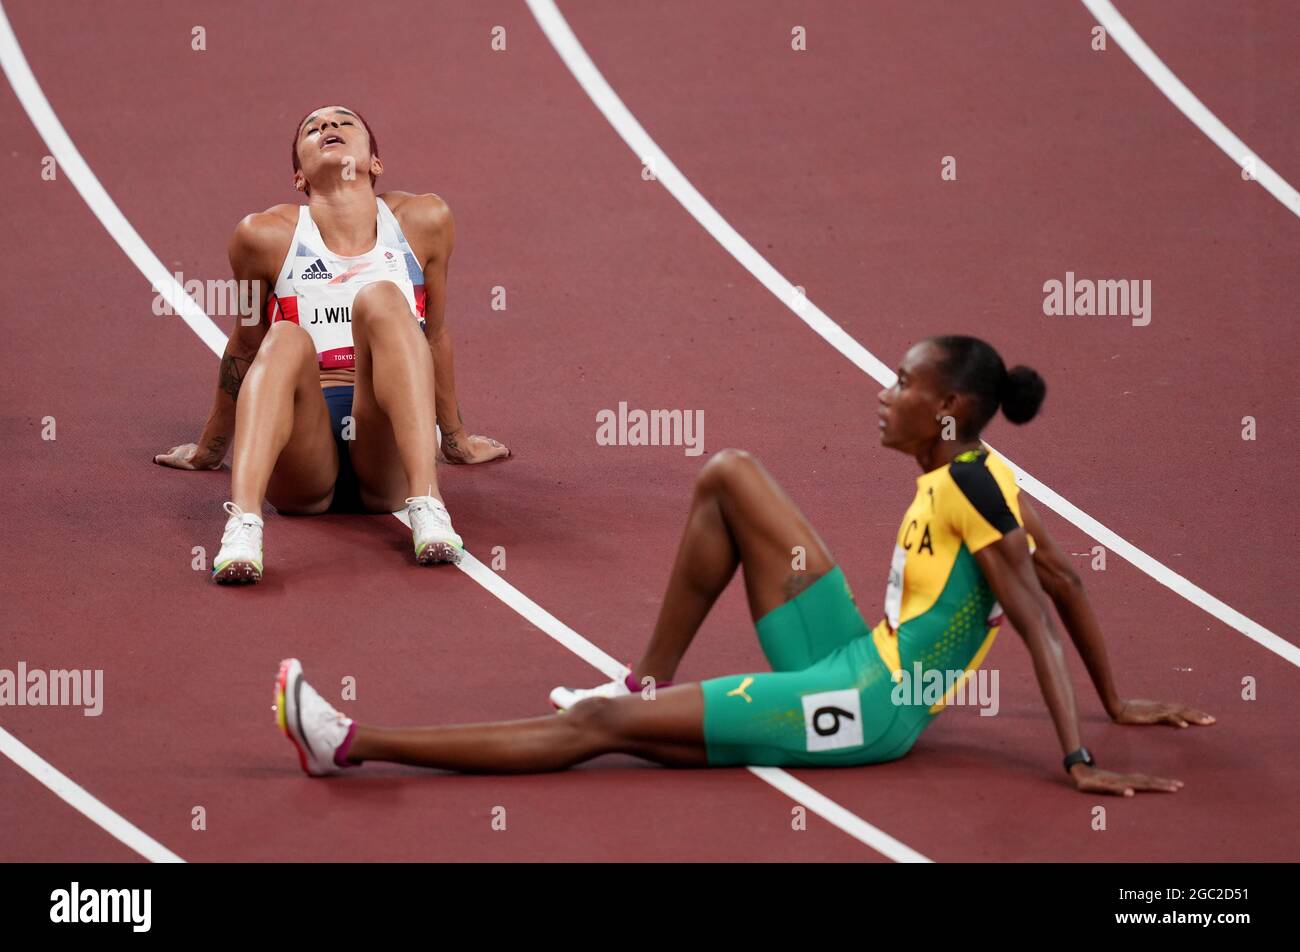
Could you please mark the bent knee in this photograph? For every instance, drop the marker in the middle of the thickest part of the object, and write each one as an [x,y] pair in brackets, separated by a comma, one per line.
[285,341]
[725,466]
[379,299]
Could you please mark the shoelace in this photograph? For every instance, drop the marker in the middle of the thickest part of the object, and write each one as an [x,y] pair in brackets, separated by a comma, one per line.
[240,532]
[427,509]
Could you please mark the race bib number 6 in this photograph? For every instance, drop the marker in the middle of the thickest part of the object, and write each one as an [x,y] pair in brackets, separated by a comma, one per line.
[833,720]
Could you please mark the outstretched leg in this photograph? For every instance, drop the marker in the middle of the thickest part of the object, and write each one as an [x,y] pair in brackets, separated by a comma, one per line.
[668,731]
[739,516]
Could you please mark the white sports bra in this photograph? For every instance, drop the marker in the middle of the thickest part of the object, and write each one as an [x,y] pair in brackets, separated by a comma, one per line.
[315,287]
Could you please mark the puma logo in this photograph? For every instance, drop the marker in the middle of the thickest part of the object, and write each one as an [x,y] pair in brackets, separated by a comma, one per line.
[740,691]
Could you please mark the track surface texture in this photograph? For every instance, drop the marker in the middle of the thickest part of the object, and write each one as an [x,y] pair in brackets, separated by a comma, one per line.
[828,161]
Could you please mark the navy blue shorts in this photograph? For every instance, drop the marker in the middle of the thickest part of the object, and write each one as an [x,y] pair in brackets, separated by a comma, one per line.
[347,490]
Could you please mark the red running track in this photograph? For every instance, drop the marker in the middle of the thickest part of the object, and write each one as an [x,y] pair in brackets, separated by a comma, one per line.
[827,161]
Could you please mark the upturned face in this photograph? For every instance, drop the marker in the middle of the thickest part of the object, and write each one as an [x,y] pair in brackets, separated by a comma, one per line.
[332,141]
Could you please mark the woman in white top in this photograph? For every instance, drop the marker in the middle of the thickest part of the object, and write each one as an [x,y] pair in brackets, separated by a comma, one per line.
[336,390]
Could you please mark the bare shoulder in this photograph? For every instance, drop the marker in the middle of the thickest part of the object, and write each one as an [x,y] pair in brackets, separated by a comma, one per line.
[263,237]
[425,219]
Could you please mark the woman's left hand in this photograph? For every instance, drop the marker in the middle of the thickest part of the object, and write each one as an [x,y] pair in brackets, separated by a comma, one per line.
[1093,780]
[460,447]
[1160,712]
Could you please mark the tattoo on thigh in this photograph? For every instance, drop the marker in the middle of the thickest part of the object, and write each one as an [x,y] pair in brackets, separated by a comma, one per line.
[799,582]
[233,370]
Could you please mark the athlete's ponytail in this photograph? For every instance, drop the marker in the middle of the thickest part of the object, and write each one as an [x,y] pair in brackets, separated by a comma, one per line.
[971,366]
[1022,394]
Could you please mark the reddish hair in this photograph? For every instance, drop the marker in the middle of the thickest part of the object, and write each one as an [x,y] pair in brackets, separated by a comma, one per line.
[374,144]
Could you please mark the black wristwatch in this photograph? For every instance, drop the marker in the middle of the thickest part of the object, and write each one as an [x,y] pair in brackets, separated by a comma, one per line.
[1080,756]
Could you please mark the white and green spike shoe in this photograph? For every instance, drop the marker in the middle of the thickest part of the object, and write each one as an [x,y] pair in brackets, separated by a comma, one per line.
[435,540]
[240,560]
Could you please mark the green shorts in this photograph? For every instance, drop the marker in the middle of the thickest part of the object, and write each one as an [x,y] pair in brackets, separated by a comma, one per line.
[827,700]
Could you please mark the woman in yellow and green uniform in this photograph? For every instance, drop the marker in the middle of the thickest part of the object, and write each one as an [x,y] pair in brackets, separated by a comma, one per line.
[968,549]
[840,694]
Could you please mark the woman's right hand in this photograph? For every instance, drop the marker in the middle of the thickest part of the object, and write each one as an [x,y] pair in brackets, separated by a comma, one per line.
[188,456]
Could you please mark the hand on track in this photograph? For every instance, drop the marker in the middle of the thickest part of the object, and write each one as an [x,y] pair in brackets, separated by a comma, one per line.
[457,447]
[1160,712]
[187,456]
[1091,780]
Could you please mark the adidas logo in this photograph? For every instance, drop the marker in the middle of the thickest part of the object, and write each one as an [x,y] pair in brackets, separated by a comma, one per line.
[317,271]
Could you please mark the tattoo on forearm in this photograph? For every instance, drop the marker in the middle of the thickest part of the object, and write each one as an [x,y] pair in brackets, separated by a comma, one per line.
[447,430]
[217,446]
[233,370]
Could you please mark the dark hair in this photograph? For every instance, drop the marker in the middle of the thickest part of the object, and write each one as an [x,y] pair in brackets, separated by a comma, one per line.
[971,366]
[374,144]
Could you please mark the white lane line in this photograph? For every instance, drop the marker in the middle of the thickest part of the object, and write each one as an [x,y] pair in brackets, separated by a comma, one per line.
[78,172]
[38,108]
[647,150]
[833,813]
[798,791]
[1157,570]
[76,797]
[60,145]
[535,614]
[1118,29]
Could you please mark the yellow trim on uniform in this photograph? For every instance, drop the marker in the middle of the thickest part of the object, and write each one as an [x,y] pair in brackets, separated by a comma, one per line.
[975,662]
[886,642]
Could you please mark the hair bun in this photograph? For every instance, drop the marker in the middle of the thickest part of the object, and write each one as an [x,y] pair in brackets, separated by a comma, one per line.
[1022,394]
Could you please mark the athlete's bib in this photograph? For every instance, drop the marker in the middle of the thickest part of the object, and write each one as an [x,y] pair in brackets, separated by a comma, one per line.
[894,591]
[316,287]
[894,588]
